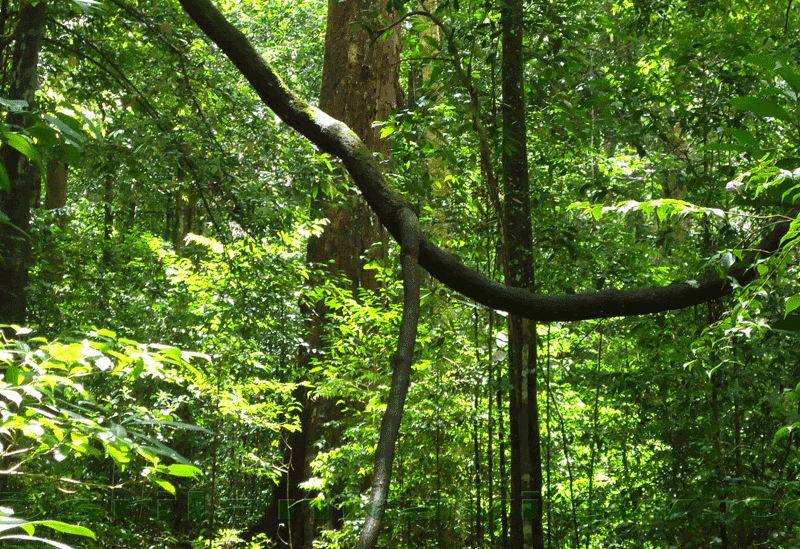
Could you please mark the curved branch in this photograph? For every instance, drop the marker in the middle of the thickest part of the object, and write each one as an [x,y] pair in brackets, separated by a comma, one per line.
[334,137]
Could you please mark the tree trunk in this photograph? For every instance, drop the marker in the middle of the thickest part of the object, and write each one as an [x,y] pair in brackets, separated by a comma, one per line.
[15,203]
[526,466]
[360,84]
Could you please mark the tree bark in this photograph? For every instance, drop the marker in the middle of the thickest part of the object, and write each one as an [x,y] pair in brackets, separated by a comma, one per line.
[401,377]
[15,204]
[336,138]
[526,464]
[360,84]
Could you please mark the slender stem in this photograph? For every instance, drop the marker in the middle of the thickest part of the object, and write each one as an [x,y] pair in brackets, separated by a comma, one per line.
[390,425]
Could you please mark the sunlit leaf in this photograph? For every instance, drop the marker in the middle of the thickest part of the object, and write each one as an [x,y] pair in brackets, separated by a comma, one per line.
[792,303]
[66,528]
[182,470]
[782,433]
[22,145]
[14,105]
[168,486]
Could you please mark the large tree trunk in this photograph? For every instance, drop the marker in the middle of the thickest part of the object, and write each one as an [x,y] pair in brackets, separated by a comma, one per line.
[360,84]
[526,466]
[15,204]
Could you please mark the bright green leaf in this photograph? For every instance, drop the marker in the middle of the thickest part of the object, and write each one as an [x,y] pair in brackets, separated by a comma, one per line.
[13,375]
[781,433]
[66,528]
[165,485]
[792,303]
[25,147]
[181,470]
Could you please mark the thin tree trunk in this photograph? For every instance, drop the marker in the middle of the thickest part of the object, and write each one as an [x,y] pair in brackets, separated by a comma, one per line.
[595,426]
[490,441]
[477,459]
[501,436]
[526,463]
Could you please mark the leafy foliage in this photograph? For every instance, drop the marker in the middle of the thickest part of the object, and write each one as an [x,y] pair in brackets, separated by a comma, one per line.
[663,143]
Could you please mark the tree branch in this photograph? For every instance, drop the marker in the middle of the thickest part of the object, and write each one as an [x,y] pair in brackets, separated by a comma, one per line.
[334,137]
[401,376]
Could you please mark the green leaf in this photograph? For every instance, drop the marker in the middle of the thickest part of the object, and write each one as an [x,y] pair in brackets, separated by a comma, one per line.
[760,107]
[727,261]
[165,485]
[44,135]
[106,333]
[21,144]
[781,433]
[744,137]
[578,206]
[66,528]
[71,126]
[176,424]
[791,194]
[157,449]
[5,181]
[13,375]
[118,454]
[181,470]
[763,61]
[791,76]
[792,303]
[66,353]
[14,105]
[30,526]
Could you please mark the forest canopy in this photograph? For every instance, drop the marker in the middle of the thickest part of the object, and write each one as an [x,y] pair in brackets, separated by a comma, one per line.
[211,338]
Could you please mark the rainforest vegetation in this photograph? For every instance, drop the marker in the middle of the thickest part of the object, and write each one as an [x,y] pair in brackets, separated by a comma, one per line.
[399,273]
